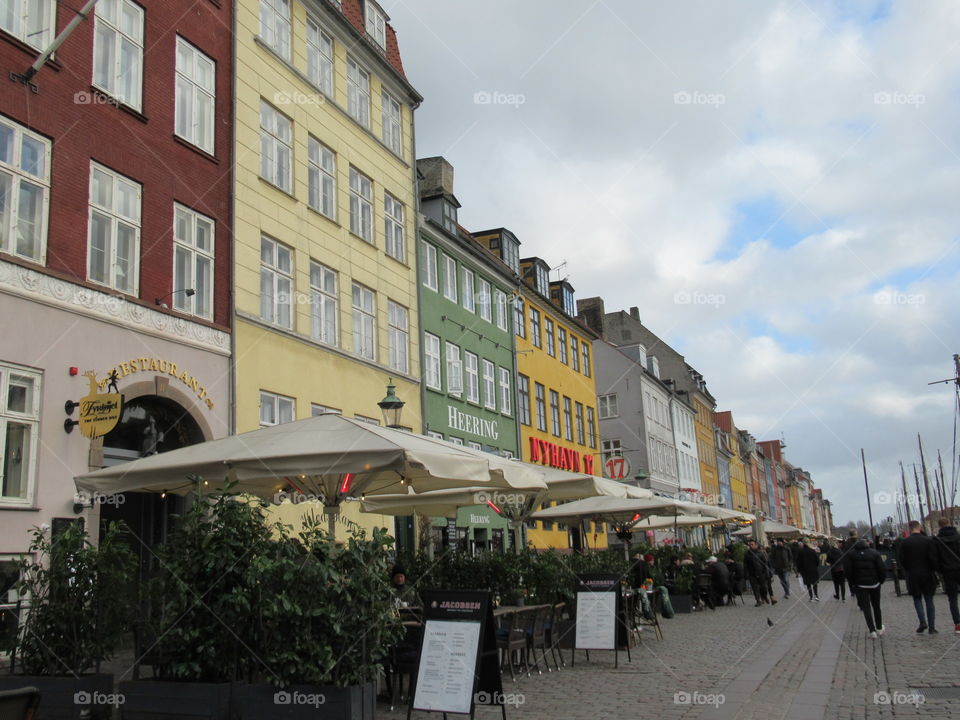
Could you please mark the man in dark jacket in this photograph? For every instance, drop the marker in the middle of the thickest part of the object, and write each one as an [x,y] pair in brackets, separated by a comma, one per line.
[782,561]
[835,560]
[948,557]
[918,558]
[808,565]
[864,570]
[719,580]
[757,566]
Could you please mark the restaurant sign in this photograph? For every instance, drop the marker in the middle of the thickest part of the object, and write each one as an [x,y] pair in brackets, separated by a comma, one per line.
[159,365]
[99,412]
[548,453]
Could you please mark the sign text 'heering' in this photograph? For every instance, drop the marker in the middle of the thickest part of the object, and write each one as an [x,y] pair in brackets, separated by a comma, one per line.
[459,420]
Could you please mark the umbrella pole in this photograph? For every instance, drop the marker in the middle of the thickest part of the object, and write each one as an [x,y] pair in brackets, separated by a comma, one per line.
[332,511]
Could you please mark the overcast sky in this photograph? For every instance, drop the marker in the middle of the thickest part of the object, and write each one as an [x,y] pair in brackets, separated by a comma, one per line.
[774,185]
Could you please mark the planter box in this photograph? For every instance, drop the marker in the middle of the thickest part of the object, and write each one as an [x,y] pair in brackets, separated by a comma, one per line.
[161,700]
[681,603]
[68,698]
[254,702]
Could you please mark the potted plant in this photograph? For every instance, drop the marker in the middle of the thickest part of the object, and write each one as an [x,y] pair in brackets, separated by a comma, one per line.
[680,597]
[78,605]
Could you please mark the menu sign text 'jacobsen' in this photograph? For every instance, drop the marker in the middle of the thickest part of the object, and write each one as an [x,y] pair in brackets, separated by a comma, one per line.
[597,612]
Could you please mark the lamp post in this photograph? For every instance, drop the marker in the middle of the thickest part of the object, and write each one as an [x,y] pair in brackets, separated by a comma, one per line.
[640,477]
[391,406]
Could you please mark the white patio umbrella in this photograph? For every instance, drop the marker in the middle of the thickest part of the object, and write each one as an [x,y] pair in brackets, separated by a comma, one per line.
[666,522]
[328,457]
[772,527]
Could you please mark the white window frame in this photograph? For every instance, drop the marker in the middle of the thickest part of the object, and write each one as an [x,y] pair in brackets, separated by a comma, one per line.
[609,449]
[366,419]
[361,205]
[109,29]
[500,308]
[395,244]
[489,385]
[434,434]
[30,419]
[201,303]
[471,371]
[448,217]
[474,445]
[455,440]
[364,321]
[276,147]
[432,375]
[450,278]
[428,266]
[27,21]
[317,409]
[375,23]
[275,26]
[467,289]
[280,404]
[13,167]
[199,95]
[505,391]
[608,406]
[320,52]
[324,304]
[321,178]
[398,336]
[454,370]
[358,92]
[392,121]
[485,299]
[276,307]
[115,219]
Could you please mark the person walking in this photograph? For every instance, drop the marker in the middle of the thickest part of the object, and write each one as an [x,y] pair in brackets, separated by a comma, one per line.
[918,558]
[808,565]
[948,558]
[863,567]
[835,559]
[735,574]
[781,559]
[757,566]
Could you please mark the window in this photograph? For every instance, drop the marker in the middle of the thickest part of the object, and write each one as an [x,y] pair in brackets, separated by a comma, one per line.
[392,127]
[361,205]
[520,320]
[431,354]
[276,282]
[114,251]
[610,449]
[591,428]
[275,25]
[276,147]
[449,217]
[535,327]
[364,322]
[324,303]
[395,245]
[24,191]
[555,412]
[195,95]
[276,409]
[472,372]
[454,370]
[607,406]
[428,266]
[511,253]
[316,409]
[562,344]
[474,445]
[567,419]
[31,21]
[434,435]
[358,93]
[505,404]
[543,281]
[574,353]
[19,430]
[118,51]
[455,440]
[523,399]
[365,419]
[585,348]
[319,57]
[489,385]
[376,24]
[541,400]
[500,308]
[321,178]
[579,415]
[469,301]
[193,254]
[551,339]
[485,298]
[449,278]
[398,336]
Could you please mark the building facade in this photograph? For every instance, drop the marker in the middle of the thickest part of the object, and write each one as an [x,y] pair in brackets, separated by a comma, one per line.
[325,275]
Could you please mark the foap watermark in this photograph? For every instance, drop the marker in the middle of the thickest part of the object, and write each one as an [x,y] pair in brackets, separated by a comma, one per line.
[696,97]
[98,498]
[887,297]
[499,698]
[894,498]
[894,697]
[98,698]
[899,98]
[484,497]
[696,697]
[495,97]
[295,697]
[286,97]
[686,297]
[85,97]
[295,498]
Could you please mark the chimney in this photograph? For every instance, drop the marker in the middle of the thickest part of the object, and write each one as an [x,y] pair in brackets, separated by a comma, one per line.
[591,311]
[437,176]
[635,313]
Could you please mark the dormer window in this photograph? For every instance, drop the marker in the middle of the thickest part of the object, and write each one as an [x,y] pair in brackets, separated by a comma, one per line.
[566,301]
[510,253]
[449,219]
[376,25]
[542,281]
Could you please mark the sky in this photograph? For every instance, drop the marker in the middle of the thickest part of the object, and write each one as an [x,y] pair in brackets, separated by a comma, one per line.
[772,183]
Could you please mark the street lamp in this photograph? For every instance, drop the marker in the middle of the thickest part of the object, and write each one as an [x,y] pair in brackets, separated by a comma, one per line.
[391,406]
[640,477]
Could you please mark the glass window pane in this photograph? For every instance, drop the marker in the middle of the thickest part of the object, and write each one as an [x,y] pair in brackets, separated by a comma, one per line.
[6,188]
[16,460]
[204,286]
[20,394]
[104,60]
[102,189]
[181,278]
[29,220]
[6,142]
[99,247]
[33,157]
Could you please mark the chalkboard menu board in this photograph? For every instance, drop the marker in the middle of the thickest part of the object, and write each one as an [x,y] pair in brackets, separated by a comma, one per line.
[458,656]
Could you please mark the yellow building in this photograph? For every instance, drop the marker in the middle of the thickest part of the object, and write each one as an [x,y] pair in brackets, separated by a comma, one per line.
[738,479]
[706,447]
[324,265]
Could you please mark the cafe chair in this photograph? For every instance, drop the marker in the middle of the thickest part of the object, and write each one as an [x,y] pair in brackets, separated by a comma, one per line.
[552,632]
[19,704]
[404,657]
[537,639]
[511,640]
[705,589]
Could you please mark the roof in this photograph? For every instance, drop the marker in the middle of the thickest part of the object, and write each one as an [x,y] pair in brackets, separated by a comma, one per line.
[353,12]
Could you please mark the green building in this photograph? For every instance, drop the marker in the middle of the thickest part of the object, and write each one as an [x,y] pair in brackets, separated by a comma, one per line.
[467,348]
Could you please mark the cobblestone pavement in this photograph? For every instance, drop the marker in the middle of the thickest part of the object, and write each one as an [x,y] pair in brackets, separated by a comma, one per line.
[815,661]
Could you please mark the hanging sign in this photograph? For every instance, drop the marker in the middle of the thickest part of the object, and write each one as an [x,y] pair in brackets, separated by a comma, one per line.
[99,412]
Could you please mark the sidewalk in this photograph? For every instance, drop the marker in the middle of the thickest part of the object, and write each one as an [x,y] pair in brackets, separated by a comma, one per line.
[814,662]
